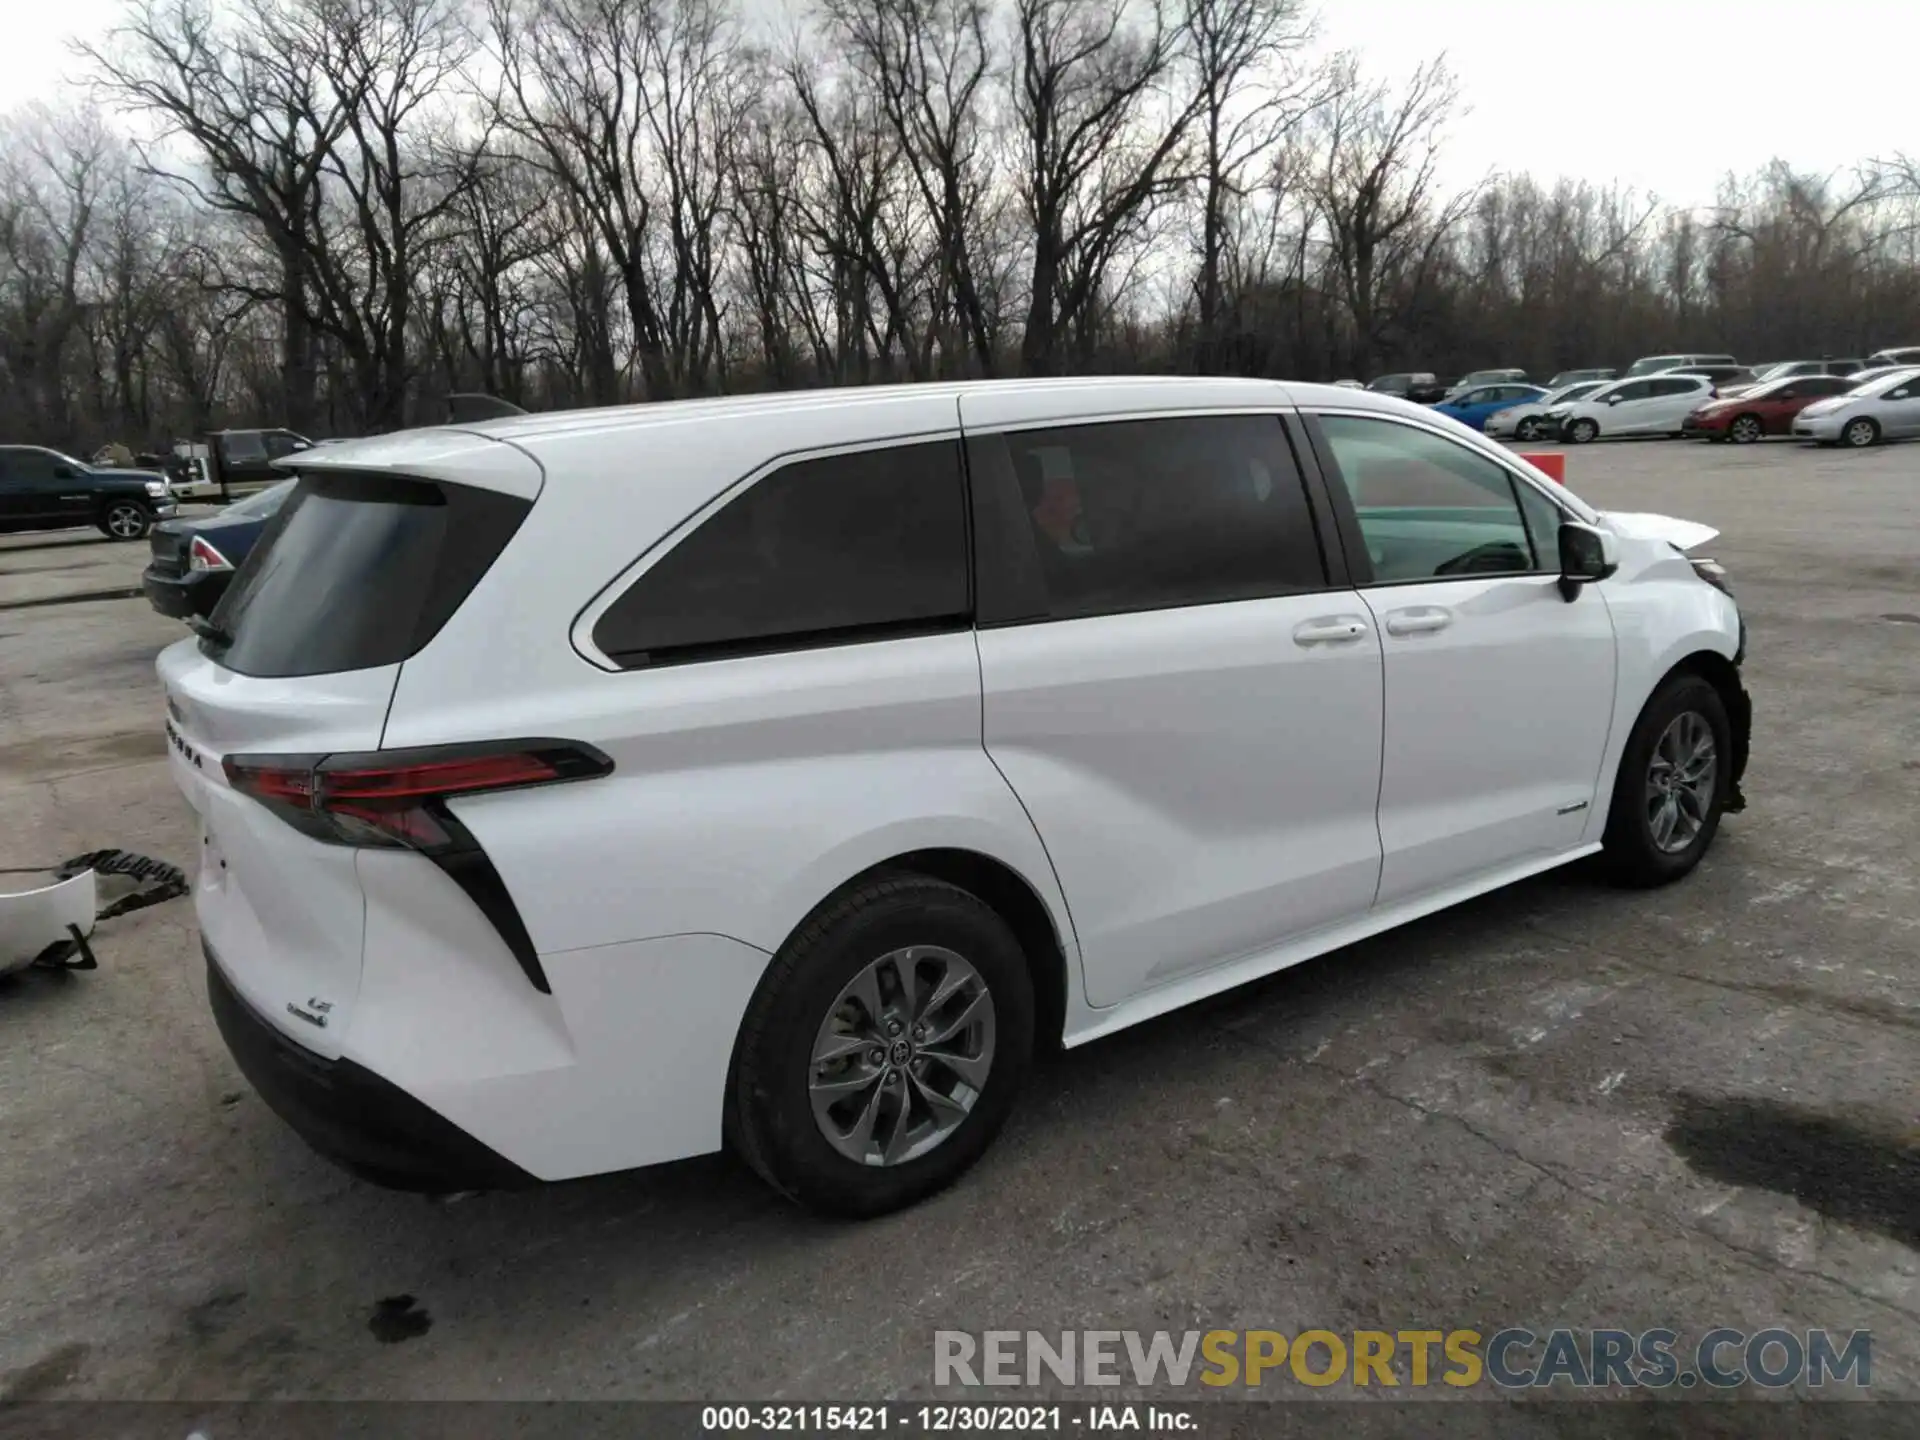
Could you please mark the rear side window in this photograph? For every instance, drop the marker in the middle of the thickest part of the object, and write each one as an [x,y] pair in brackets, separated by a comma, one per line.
[1673,387]
[827,551]
[357,572]
[245,447]
[1140,515]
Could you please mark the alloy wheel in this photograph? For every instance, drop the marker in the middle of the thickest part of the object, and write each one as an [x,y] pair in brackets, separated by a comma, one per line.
[1745,430]
[1859,433]
[1681,777]
[126,522]
[902,1056]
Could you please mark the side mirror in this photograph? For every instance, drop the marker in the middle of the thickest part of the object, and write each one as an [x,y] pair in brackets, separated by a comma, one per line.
[1613,399]
[1586,555]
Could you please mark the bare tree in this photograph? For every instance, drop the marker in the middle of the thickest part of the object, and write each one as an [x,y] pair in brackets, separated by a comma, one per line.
[1376,191]
[1102,131]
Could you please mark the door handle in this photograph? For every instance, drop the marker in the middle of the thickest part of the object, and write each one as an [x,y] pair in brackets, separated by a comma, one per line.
[1419,619]
[1329,629]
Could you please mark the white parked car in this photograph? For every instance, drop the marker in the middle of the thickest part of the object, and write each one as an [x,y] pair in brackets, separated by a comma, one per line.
[1528,421]
[582,791]
[1650,405]
[1656,364]
[1886,408]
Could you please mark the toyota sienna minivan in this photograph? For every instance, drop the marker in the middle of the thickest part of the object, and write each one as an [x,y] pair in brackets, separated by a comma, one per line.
[583,791]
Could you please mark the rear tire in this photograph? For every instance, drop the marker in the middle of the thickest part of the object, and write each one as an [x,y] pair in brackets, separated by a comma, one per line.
[124,520]
[1527,431]
[1582,432]
[1672,785]
[1859,434]
[800,1092]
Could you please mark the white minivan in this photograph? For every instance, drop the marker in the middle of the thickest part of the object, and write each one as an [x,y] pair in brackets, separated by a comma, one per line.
[582,791]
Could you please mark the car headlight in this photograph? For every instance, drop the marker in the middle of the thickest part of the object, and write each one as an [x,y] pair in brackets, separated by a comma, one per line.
[157,488]
[1711,571]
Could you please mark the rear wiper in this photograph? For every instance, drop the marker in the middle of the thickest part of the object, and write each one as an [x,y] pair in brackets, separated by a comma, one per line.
[207,630]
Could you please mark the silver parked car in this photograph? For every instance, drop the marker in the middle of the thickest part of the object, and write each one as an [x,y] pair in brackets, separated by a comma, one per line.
[1883,409]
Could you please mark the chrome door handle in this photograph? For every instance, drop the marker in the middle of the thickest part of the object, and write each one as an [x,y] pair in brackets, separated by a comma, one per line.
[1328,630]
[1418,619]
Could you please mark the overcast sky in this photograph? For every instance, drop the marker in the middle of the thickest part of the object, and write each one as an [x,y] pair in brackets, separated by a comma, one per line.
[1660,95]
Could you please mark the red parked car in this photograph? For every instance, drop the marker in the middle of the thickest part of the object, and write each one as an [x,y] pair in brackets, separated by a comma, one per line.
[1762,411]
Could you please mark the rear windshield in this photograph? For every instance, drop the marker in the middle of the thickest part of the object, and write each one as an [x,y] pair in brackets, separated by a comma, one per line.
[356,572]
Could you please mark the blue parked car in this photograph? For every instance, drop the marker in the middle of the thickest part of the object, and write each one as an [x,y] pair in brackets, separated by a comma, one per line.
[1472,407]
[193,560]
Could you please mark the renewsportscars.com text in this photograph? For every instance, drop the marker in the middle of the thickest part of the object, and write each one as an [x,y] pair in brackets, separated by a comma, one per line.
[1510,1359]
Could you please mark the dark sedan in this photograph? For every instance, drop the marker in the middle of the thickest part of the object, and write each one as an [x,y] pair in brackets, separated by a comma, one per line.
[193,560]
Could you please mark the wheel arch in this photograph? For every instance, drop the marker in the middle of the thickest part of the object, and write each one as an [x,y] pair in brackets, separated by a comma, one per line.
[1721,673]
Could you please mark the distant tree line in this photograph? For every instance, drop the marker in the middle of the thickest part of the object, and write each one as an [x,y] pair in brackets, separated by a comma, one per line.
[330,214]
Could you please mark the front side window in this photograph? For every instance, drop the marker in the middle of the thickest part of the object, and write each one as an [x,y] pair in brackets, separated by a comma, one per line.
[1429,508]
[1143,515]
[831,550]
[1638,390]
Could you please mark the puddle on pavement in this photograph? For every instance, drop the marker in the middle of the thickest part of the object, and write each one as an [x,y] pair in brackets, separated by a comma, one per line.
[1855,1172]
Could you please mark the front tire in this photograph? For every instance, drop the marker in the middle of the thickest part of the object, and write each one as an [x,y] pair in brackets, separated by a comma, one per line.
[124,520]
[1746,430]
[1859,434]
[1582,432]
[884,1048]
[1672,785]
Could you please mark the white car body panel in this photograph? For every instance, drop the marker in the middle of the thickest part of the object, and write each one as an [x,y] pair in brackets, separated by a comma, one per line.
[1193,798]
[1650,415]
[1205,785]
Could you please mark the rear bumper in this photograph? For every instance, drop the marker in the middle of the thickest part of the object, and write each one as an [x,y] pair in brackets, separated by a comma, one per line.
[349,1114]
[195,593]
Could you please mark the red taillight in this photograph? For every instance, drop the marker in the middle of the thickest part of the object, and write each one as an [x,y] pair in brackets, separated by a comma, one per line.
[395,797]
[202,556]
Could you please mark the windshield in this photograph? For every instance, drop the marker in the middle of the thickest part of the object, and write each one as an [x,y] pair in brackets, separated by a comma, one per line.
[264,502]
[1884,383]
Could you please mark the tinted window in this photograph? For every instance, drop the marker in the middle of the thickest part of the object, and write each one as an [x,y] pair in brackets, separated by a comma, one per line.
[358,571]
[842,548]
[1140,515]
[1823,385]
[1428,508]
[1672,387]
[1638,390]
[244,447]
[34,466]
[281,444]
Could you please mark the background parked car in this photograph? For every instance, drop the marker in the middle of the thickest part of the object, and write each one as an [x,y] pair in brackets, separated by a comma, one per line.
[239,462]
[1654,364]
[1474,379]
[1575,377]
[1899,355]
[1527,421]
[1877,372]
[1884,409]
[1419,386]
[1757,411]
[1473,407]
[194,560]
[43,489]
[1647,405]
